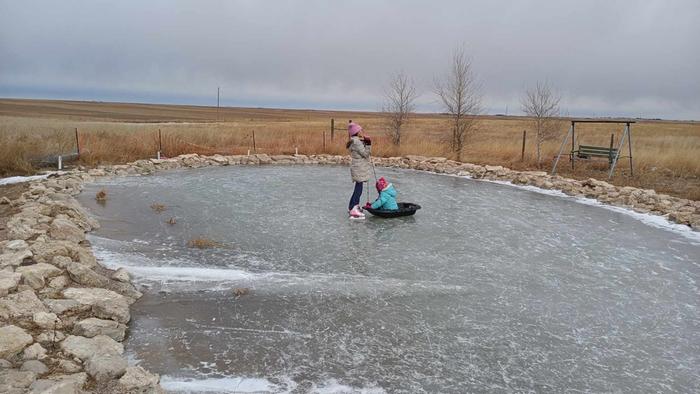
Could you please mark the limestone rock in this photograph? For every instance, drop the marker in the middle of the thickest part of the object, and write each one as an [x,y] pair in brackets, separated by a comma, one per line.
[13,340]
[64,229]
[35,275]
[19,227]
[121,275]
[61,306]
[493,168]
[50,337]
[44,251]
[34,352]
[19,305]
[34,280]
[46,320]
[219,159]
[14,259]
[61,261]
[15,381]
[17,245]
[104,367]
[92,326]
[138,380]
[85,348]
[86,276]
[89,296]
[263,158]
[234,159]
[126,289]
[85,257]
[8,281]
[35,366]
[5,364]
[59,282]
[112,309]
[62,384]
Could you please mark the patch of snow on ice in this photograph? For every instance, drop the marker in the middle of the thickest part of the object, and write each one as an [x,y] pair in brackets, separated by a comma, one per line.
[19,179]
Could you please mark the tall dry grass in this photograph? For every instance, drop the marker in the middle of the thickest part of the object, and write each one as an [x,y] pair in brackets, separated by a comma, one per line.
[666,154]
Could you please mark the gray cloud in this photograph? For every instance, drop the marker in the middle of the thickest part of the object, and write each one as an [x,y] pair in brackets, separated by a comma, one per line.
[606,57]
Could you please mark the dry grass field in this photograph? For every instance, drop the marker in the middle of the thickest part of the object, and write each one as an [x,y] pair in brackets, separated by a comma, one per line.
[666,153]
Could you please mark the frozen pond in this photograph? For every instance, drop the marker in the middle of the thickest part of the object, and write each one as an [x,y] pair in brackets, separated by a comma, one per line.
[488,288]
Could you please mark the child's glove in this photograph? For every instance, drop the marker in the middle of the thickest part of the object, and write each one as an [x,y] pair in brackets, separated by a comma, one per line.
[368,205]
[367,140]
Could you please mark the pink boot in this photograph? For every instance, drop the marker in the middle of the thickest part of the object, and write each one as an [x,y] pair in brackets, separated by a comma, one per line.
[356,213]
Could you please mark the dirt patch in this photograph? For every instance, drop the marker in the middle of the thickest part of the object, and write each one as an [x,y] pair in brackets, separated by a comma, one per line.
[12,192]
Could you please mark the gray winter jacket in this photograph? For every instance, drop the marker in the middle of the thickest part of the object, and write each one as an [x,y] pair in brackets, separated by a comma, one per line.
[359,163]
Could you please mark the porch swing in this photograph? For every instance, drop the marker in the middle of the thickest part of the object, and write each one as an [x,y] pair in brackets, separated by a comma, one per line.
[587,152]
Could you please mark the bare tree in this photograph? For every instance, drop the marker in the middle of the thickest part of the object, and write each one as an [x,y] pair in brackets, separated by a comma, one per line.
[542,104]
[399,105]
[460,95]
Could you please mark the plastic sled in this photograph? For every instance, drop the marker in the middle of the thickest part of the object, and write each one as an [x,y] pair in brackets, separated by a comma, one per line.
[405,209]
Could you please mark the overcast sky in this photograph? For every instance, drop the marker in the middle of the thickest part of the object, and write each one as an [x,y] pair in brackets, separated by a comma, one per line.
[607,58]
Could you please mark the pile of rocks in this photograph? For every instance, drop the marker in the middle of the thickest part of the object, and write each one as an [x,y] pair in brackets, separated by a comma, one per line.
[63,316]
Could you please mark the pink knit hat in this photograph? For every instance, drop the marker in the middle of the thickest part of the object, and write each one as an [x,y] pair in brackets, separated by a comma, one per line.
[381,184]
[353,129]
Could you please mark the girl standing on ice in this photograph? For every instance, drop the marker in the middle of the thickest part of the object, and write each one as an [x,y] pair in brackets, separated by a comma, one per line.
[360,148]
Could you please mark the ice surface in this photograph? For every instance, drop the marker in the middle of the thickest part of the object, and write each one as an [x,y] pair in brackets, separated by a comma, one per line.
[488,288]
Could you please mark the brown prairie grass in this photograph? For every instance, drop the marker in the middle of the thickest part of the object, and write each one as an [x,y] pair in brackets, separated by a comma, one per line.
[666,153]
[238,292]
[158,208]
[101,196]
[202,243]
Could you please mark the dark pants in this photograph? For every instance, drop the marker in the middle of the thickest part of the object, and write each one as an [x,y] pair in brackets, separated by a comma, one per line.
[356,194]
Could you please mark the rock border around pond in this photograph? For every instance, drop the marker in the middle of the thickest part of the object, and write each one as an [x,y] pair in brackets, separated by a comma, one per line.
[63,316]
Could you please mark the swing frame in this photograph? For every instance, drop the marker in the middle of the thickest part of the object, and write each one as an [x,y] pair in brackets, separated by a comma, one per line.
[626,133]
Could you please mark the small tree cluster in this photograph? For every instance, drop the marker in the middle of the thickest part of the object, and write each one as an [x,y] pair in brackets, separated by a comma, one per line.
[460,95]
[542,104]
[399,105]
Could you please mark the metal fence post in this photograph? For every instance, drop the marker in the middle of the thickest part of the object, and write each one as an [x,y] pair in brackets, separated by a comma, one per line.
[77,142]
[522,155]
[332,128]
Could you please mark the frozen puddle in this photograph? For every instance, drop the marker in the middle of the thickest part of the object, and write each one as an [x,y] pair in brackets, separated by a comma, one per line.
[488,288]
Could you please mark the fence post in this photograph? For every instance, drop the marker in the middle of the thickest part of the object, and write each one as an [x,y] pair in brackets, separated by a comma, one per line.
[160,144]
[77,142]
[332,128]
[324,142]
[522,155]
[60,162]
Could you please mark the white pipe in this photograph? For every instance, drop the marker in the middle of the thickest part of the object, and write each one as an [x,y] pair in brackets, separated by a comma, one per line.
[158,155]
[60,162]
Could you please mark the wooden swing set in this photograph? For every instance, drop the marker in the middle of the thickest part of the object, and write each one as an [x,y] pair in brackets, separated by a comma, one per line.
[586,152]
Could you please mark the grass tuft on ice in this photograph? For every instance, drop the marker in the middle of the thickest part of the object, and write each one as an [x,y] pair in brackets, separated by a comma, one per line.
[202,243]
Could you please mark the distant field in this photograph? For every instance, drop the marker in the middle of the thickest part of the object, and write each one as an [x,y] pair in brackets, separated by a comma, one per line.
[666,153]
